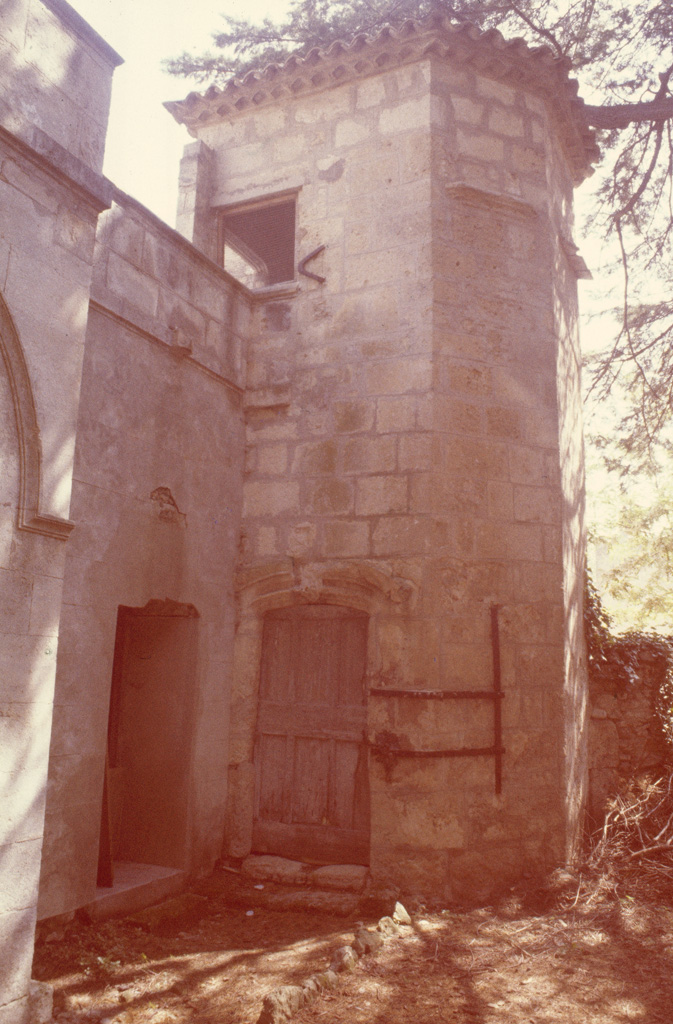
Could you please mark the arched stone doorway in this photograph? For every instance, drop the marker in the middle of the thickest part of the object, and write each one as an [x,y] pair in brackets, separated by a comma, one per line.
[333,603]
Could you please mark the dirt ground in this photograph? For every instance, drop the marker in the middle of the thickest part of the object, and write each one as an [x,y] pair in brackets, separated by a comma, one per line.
[539,957]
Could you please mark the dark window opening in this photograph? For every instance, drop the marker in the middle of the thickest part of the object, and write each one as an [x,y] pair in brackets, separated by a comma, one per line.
[259,243]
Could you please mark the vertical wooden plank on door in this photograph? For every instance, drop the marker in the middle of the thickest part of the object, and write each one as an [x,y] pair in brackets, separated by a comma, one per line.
[312,792]
[310,781]
[271,754]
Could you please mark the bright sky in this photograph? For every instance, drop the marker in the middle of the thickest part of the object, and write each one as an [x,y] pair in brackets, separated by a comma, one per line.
[144,142]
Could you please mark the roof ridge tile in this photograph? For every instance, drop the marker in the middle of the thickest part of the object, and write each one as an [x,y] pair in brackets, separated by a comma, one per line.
[506,59]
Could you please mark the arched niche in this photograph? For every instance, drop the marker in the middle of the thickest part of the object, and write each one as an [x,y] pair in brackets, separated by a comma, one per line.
[30,517]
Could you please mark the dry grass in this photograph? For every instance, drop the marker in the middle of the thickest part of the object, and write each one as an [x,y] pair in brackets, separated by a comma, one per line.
[633,851]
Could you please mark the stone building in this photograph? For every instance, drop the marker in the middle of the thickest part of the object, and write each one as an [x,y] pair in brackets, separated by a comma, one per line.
[295,493]
[55,77]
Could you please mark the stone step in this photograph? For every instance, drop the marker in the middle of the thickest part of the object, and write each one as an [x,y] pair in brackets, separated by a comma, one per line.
[136,886]
[332,877]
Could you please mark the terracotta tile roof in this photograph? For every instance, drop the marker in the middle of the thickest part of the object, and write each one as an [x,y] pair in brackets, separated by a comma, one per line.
[512,61]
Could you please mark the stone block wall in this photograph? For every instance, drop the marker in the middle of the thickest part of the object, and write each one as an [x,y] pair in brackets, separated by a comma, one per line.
[156,499]
[401,439]
[508,408]
[412,431]
[626,738]
[51,136]
[507,476]
[56,77]
[338,400]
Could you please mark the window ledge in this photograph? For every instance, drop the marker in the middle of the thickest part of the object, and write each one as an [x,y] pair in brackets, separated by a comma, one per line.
[283,290]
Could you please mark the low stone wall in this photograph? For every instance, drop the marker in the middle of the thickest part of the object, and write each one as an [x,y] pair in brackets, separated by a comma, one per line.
[626,736]
[280,1005]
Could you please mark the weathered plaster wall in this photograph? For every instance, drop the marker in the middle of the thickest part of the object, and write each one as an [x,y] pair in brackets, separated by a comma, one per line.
[415,417]
[161,408]
[50,195]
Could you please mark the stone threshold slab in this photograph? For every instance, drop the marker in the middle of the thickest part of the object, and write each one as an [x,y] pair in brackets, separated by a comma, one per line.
[136,886]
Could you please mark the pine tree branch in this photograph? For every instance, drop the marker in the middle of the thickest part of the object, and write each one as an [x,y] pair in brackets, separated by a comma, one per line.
[539,30]
[621,115]
[647,177]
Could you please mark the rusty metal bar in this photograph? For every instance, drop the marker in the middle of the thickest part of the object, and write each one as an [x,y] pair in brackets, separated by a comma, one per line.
[301,266]
[450,752]
[439,694]
[389,752]
[497,693]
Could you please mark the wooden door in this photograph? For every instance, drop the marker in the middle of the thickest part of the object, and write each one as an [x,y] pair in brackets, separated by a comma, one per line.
[312,784]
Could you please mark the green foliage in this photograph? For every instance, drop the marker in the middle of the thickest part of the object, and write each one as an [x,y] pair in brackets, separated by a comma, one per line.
[639,367]
[619,660]
[243,45]
[599,38]
[632,533]
[596,629]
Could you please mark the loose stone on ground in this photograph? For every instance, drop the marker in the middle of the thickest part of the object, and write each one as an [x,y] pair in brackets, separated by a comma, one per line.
[282,1003]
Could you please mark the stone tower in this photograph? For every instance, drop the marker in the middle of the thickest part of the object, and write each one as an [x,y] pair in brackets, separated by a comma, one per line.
[409,683]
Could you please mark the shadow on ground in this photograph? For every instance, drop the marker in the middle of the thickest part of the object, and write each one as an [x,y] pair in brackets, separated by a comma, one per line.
[516,963]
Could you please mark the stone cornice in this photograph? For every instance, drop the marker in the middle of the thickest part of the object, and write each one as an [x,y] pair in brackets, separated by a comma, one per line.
[487,52]
[61,166]
[512,206]
[111,307]
[495,200]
